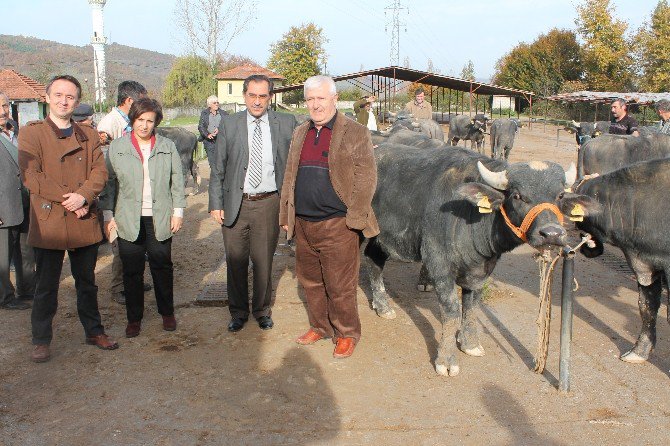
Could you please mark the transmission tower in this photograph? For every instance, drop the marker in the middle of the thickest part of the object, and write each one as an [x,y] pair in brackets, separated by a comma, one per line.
[394,8]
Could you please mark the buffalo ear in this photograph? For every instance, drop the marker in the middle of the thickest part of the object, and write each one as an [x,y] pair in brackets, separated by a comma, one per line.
[576,207]
[486,198]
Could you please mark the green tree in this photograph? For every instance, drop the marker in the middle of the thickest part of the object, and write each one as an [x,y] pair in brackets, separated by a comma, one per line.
[605,53]
[468,71]
[189,82]
[299,54]
[652,48]
[543,66]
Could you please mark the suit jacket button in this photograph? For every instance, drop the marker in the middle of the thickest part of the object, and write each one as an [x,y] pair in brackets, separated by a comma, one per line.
[241,187]
[245,168]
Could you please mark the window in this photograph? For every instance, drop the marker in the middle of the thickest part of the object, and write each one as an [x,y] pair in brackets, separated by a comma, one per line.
[230,88]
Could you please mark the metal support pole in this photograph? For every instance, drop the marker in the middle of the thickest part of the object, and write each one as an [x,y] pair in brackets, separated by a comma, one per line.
[566,319]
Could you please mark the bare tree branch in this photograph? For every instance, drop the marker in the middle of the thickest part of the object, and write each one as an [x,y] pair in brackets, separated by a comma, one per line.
[209,26]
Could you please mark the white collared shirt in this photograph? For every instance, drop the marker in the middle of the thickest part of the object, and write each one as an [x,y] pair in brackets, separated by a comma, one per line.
[268,182]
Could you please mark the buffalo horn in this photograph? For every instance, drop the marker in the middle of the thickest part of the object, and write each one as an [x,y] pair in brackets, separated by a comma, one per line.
[570,175]
[497,180]
[576,124]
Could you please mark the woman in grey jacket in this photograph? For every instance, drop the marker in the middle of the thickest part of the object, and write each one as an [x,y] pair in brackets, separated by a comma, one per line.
[144,203]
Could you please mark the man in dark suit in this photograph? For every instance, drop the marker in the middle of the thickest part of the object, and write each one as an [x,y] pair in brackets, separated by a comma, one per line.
[11,218]
[244,191]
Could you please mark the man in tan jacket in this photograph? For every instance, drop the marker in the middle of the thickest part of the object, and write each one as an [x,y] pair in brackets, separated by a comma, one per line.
[419,108]
[326,202]
[62,166]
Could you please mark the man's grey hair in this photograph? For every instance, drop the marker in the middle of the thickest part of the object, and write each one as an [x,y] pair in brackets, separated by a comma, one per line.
[317,81]
[621,101]
[4,95]
[212,99]
[662,105]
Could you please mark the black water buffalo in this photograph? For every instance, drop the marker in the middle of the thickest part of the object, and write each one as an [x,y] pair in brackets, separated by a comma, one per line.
[427,203]
[503,132]
[401,135]
[635,219]
[186,143]
[610,152]
[586,130]
[468,129]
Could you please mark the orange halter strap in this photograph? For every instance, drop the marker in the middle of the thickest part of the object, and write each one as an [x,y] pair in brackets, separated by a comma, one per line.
[530,217]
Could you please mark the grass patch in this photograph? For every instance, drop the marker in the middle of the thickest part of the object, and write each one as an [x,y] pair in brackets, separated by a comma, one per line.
[180,121]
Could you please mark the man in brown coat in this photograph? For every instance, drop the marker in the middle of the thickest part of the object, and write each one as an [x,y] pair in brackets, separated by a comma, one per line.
[64,169]
[326,199]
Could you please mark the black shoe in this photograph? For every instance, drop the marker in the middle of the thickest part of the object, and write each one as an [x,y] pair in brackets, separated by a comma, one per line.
[14,304]
[147,287]
[236,324]
[265,322]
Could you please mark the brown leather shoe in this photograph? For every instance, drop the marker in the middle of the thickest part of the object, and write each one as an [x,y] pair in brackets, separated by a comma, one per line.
[344,348]
[102,341]
[169,323]
[40,353]
[309,338]
[133,329]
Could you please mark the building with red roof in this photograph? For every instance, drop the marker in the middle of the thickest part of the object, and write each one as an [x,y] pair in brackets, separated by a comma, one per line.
[27,97]
[229,83]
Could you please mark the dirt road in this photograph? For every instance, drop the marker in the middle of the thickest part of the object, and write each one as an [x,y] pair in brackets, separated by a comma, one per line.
[202,385]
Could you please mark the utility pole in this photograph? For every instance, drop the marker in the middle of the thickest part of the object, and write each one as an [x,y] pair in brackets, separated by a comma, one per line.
[394,8]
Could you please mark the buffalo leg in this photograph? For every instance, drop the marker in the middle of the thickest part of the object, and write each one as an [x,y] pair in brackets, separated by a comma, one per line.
[468,337]
[375,258]
[195,173]
[424,284]
[649,301]
[507,150]
[450,312]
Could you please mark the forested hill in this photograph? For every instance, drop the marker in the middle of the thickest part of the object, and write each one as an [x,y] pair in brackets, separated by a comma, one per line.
[41,59]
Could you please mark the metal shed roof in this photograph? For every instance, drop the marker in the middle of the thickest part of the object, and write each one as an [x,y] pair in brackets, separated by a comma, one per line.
[608,96]
[424,77]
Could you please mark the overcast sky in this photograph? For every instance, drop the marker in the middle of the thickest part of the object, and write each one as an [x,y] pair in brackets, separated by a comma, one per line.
[450,32]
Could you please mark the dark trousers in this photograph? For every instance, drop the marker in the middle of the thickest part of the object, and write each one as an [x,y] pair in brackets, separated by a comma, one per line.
[210,150]
[13,246]
[253,235]
[160,265]
[49,265]
[327,263]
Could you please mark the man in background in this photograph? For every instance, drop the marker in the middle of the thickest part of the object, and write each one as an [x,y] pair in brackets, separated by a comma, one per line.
[208,126]
[364,114]
[419,108]
[622,123]
[663,109]
[14,202]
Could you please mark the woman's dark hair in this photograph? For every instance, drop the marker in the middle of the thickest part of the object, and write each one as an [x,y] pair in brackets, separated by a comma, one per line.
[145,105]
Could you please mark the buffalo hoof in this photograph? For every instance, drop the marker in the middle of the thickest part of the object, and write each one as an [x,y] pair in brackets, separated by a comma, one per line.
[632,358]
[443,370]
[425,288]
[388,313]
[477,351]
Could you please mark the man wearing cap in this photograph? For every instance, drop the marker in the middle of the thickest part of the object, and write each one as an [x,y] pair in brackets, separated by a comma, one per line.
[83,114]
[419,107]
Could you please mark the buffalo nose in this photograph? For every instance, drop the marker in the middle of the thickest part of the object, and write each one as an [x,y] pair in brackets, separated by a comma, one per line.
[552,234]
